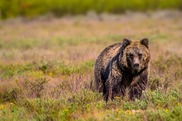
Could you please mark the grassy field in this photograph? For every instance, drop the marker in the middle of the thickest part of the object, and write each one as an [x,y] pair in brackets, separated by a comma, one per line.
[46,66]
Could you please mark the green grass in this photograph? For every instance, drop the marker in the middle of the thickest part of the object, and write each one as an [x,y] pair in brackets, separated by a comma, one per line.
[32,8]
[86,103]
[46,68]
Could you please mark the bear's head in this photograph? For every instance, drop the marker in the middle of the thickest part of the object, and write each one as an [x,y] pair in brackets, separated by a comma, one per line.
[135,55]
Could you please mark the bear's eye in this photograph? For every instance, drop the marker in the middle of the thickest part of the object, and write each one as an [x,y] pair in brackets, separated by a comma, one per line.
[140,55]
[130,55]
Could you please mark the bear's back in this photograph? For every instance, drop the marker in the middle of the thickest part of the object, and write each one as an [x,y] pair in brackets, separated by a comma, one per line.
[106,55]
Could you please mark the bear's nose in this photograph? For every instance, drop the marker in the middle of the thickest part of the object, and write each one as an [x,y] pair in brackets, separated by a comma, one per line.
[136,65]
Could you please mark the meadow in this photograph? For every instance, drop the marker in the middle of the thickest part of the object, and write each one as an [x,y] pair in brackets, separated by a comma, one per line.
[46,67]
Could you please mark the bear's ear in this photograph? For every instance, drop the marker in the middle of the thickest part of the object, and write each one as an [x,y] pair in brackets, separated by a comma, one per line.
[126,42]
[145,42]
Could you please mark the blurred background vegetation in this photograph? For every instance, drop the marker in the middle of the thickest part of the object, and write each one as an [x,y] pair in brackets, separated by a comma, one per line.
[33,8]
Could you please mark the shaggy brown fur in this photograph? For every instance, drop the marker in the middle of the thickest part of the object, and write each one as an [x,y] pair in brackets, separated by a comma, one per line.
[120,66]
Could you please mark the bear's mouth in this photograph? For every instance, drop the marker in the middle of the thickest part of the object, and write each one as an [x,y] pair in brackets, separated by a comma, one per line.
[135,70]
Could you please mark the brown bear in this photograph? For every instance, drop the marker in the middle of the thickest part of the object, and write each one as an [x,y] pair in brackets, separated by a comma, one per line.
[120,66]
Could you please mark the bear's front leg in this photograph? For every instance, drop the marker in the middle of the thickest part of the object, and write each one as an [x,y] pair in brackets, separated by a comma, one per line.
[113,87]
[108,87]
[137,87]
[107,90]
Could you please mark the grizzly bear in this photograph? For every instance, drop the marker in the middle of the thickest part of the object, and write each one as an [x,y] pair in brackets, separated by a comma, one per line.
[122,66]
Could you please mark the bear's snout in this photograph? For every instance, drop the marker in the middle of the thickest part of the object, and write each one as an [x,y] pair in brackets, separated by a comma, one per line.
[136,65]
